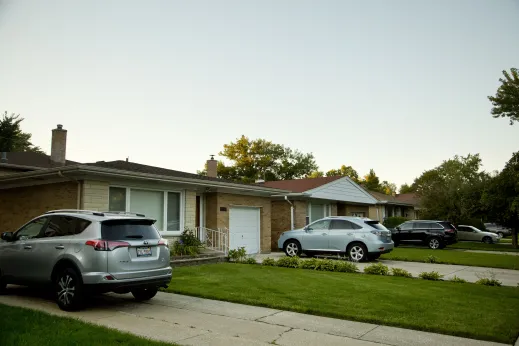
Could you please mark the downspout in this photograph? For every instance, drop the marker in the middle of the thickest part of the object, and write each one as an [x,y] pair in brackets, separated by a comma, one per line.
[291,213]
[78,202]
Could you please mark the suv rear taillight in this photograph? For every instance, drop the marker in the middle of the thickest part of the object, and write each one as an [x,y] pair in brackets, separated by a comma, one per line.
[163,241]
[450,231]
[106,245]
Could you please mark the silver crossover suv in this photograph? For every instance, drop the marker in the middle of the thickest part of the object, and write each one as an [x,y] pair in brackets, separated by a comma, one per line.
[85,252]
[360,238]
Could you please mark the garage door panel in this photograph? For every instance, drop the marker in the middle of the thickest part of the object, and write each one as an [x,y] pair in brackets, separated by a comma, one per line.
[244,229]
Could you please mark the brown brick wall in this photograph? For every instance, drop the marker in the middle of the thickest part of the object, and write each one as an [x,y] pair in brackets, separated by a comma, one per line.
[19,205]
[280,221]
[220,219]
[334,209]
[300,212]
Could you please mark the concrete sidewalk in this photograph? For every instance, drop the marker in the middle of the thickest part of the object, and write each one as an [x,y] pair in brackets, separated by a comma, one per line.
[195,321]
[508,277]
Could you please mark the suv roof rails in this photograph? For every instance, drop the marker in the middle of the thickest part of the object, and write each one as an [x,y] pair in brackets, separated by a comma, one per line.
[79,211]
[123,213]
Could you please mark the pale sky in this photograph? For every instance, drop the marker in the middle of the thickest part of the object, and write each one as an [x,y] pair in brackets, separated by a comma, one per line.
[398,86]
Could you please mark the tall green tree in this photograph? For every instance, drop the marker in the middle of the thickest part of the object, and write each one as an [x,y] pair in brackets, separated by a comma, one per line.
[453,190]
[262,159]
[506,100]
[388,188]
[371,181]
[501,197]
[315,174]
[405,188]
[344,171]
[12,138]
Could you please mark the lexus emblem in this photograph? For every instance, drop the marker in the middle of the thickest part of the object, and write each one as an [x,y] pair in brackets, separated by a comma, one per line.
[145,242]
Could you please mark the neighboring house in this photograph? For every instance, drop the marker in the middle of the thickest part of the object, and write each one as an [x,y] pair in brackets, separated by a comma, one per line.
[31,185]
[405,205]
[314,198]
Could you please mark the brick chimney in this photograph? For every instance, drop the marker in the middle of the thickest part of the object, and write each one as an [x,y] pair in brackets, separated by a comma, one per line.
[58,148]
[212,164]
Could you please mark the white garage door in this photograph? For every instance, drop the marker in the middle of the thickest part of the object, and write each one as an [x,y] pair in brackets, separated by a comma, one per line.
[244,229]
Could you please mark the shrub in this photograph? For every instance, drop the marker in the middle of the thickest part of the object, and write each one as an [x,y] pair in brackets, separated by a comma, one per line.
[489,282]
[270,262]
[401,272]
[288,262]
[346,267]
[393,221]
[431,259]
[434,276]
[327,265]
[237,255]
[377,269]
[250,260]
[187,245]
[457,279]
[308,264]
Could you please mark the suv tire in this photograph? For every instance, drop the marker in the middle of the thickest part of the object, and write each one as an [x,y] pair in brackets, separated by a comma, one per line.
[434,243]
[142,294]
[357,252]
[293,248]
[487,240]
[69,290]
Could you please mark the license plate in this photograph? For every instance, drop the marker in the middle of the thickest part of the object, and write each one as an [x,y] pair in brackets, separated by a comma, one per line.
[143,251]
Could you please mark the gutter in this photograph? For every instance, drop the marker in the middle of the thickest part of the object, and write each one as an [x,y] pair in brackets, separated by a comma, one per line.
[291,213]
[129,174]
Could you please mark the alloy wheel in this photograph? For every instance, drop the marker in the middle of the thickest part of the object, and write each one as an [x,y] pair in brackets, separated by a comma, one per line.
[292,249]
[66,289]
[434,243]
[356,253]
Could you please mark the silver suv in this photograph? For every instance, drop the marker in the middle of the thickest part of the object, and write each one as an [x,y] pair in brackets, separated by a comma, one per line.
[83,252]
[359,238]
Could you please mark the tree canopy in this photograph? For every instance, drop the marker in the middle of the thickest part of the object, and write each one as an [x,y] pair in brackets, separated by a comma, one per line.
[506,100]
[12,138]
[262,159]
[405,188]
[344,171]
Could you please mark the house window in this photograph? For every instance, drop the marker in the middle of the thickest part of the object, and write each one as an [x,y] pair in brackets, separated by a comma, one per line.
[164,206]
[318,211]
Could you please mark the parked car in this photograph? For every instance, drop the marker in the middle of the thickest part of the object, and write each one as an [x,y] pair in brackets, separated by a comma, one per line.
[360,238]
[497,229]
[435,234]
[83,252]
[471,233]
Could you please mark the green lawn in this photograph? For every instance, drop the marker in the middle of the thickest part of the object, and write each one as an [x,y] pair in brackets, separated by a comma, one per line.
[506,246]
[454,257]
[468,310]
[28,327]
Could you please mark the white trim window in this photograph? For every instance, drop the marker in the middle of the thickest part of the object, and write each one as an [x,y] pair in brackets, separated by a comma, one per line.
[166,207]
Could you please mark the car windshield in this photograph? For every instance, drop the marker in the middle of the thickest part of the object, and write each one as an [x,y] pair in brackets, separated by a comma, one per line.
[128,229]
[376,225]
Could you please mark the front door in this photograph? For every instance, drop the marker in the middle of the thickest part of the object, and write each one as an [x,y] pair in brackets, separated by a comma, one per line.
[316,236]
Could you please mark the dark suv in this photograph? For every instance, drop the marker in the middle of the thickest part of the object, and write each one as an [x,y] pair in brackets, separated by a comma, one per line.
[435,234]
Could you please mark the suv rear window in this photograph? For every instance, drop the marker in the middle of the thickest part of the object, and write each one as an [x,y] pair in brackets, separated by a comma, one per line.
[376,225]
[447,225]
[128,229]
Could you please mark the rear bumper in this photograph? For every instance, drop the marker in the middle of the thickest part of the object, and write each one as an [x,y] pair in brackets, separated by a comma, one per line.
[380,247]
[115,285]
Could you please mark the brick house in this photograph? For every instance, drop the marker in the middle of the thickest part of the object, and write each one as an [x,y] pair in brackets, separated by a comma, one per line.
[31,184]
[314,198]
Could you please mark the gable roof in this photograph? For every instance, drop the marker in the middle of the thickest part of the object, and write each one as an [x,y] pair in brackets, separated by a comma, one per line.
[31,159]
[300,185]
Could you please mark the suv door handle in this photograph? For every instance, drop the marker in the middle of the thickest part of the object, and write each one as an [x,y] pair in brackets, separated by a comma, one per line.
[60,247]
[27,247]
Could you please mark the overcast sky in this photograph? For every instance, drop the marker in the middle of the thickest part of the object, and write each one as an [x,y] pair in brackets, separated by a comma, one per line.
[397,86]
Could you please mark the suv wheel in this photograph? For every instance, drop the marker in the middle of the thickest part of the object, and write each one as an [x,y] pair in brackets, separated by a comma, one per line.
[357,252]
[292,248]
[141,294]
[434,243]
[69,290]
[487,240]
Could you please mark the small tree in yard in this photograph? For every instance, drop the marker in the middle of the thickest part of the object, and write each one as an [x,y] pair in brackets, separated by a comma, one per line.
[506,101]
[501,197]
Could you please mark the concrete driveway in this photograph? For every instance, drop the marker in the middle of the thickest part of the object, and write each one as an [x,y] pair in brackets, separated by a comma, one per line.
[194,321]
[507,276]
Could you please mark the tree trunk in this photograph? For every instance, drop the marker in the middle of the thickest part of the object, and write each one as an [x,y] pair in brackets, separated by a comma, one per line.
[514,238]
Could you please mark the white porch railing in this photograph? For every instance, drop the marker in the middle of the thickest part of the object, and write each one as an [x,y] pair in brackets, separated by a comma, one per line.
[216,240]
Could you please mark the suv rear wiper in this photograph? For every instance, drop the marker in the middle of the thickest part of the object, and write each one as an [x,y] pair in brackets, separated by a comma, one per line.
[136,236]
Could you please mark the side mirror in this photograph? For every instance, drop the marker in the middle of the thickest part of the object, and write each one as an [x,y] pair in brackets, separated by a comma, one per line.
[7,236]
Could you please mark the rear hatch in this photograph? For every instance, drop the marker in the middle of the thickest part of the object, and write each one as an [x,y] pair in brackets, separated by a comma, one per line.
[137,249]
[380,230]
[450,230]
